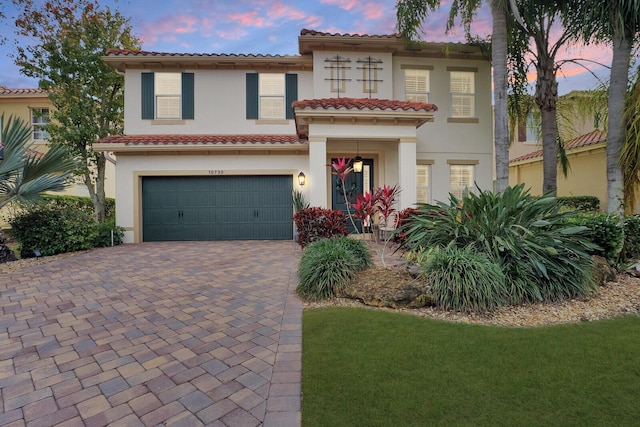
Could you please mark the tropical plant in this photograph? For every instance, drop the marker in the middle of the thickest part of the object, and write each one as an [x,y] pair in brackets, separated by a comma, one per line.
[631,249]
[24,173]
[316,223]
[67,41]
[629,160]
[541,256]
[358,248]
[325,267]
[605,231]
[463,279]
[299,201]
[379,203]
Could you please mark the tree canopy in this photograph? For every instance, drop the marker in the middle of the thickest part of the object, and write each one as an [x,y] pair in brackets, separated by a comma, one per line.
[69,38]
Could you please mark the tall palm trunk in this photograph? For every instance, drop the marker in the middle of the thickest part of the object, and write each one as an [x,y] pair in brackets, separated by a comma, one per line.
[499,61]
[547,98]
[616,129]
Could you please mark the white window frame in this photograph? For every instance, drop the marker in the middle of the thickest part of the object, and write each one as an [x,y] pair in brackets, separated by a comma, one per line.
[39,118]
[412,90]
[456,177]
[271,96]
[463,94]
[532,129]
[168,96]
[423,189]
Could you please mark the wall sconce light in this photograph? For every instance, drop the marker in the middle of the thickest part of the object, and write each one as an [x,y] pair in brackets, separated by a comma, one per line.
[302,179]
[357,162]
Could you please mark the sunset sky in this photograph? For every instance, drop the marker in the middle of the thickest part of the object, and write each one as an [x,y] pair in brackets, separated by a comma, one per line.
[272,27]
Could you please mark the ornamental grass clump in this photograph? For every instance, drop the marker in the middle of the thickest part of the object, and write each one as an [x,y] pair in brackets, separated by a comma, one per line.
[328,264]
[464,279]
[542,257]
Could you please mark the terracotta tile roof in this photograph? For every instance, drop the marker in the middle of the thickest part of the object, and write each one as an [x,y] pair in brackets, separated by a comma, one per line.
[21,91]
[145,53]
[363,104]
[591,138]
[203,139]
[307,32]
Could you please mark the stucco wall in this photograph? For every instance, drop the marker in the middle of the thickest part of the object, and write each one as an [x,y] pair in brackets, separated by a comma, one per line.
[132,168]
[587,177]
[219,105]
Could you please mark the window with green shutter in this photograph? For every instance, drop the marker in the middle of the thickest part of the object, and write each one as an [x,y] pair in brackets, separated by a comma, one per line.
[269,95]
[167,96]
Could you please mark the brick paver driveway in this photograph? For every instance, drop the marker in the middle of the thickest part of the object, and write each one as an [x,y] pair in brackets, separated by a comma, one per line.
[196,333]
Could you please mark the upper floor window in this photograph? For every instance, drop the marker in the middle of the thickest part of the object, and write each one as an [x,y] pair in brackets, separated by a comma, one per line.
[269,95]
[416,85]
[167,96]
[272,93]
[39,120]
[461,178]
[463,93]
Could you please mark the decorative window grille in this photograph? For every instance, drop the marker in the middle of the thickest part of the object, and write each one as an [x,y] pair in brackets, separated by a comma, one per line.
[338,73]
[369,67]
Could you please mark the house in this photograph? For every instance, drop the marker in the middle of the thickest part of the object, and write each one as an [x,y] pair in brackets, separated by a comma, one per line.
[33,107]
[584,144]
[214,144]
[588,169]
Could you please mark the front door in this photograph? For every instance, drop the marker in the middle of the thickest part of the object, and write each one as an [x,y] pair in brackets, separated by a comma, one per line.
[355,183]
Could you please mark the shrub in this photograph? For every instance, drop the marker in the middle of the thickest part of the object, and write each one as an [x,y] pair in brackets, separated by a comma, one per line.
[404,216]
[542,257]
[52,230]
[359,250]
[317,223]
[606,231]
[103,234]
[463,279]
[631,246]
[325,266]
[81,203]
[580,203]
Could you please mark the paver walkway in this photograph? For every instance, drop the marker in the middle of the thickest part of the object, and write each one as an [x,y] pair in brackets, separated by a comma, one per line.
[176,334]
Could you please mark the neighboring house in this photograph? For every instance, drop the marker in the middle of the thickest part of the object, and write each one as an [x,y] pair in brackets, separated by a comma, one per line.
[587,175]
[33,106]
[573,121]
[214,144]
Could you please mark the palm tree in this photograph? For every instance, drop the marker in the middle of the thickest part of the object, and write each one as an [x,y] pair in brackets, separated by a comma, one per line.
[24,173]
[616,22]
[411,13]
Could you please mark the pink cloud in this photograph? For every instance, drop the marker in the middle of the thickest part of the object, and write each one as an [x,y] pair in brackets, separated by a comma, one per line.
[167,27]
[250,19]
[342,4]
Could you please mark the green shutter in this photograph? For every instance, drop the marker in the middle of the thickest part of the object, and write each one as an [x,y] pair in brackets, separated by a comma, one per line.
[291,90]
[147,96]
[187,96]
[252,95]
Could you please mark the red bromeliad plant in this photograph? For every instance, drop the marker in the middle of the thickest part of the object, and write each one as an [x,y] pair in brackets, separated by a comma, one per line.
[380,202]
[365,207]
[342,168]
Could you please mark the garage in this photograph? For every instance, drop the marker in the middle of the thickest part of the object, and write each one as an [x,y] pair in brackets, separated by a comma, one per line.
[182,208]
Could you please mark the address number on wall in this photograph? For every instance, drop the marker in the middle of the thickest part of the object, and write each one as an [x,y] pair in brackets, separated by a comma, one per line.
[216,172]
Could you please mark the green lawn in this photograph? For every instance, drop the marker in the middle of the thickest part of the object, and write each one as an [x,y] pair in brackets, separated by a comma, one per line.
[373,368]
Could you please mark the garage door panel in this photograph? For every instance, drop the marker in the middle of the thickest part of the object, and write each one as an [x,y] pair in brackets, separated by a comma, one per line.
[217,208]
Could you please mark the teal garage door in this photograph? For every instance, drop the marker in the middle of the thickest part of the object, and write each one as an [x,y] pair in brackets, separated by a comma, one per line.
[217,208]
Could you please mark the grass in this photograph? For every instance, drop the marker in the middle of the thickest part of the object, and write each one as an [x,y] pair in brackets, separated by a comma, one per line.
[371,368]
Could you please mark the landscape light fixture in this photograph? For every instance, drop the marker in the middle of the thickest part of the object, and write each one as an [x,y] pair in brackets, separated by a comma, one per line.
[357,162]
[302,179]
